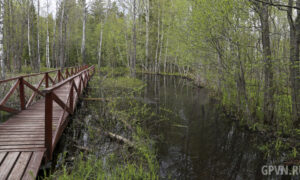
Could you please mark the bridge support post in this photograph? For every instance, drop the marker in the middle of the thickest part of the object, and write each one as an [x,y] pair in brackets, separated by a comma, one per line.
[58,75]
[47,80]
[22,94]
[48,124]
[72,96]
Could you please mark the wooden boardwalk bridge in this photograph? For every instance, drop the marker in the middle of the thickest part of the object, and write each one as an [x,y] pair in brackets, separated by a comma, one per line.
[30,135]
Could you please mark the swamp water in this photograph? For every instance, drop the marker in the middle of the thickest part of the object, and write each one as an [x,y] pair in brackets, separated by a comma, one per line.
[197,141]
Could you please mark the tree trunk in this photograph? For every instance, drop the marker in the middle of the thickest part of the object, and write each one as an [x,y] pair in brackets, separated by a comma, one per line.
[38,39]
[8,33]
[166,56]
[2,64]
[101,34]
[157,45]
[54,55]
[83,32]
[47,40]
[100,46]
[133,57]
[61,54]
[147,32]
[28,36]
[294,59]
[268,84]
[161,45]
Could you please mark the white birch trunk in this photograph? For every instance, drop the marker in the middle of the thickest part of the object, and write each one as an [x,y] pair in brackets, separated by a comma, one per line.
[161,47]
[133,57]
[48,39]
[83,32]
[157,45]
[38,38]
[2,63]
[61,54]
[54,55]
[101,34]
[147,31]
[166,56]
[28,35]
[100,46]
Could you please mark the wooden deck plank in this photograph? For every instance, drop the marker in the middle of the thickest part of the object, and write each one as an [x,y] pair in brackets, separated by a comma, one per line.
[18,136]
[22,130]
[19,133]
[20,166]
[8,164]
[20,147]
[16,139]
[16,143]
[24,150]
[2,156]
[33,166]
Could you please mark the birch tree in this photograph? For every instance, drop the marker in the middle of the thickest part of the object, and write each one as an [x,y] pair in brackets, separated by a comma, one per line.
[157,44]
[61,54]
[133,57]
[38,38]
[83,31]
[101,32]
[54,54]
[48,64]
[2,63]
[147,17]
[28,34]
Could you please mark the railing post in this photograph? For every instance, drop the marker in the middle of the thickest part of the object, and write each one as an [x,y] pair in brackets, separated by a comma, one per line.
[47,80]
[22,94]
[79,88]
[48,124]
[59,78]
[72,96]
[67,72]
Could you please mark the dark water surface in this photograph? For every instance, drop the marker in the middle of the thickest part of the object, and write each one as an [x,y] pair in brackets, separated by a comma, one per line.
[199,142]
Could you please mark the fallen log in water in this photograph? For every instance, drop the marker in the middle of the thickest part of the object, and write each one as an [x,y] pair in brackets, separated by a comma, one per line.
[83,148]
[120,139]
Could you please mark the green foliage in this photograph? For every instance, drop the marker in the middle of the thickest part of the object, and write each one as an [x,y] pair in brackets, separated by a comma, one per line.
[26,69]
[123,83]
[112,72]
[92,167]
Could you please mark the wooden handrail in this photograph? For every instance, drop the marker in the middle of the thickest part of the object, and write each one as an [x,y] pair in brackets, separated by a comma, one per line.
[83,73]
[32,75]
[21,83]
[60,84]
[25,76]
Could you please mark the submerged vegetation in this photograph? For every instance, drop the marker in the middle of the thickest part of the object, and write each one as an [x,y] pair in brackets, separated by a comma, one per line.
[117,126]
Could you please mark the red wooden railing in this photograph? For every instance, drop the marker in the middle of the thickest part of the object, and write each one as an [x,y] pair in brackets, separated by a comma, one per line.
[21,83]
[82,79]
[75,78]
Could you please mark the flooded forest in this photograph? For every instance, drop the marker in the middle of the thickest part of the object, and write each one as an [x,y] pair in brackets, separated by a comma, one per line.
[180,89]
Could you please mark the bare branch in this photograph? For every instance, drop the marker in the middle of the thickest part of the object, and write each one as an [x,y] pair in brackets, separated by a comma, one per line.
[275,4]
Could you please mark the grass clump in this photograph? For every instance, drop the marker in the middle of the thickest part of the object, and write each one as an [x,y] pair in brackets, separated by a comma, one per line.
[123,83]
